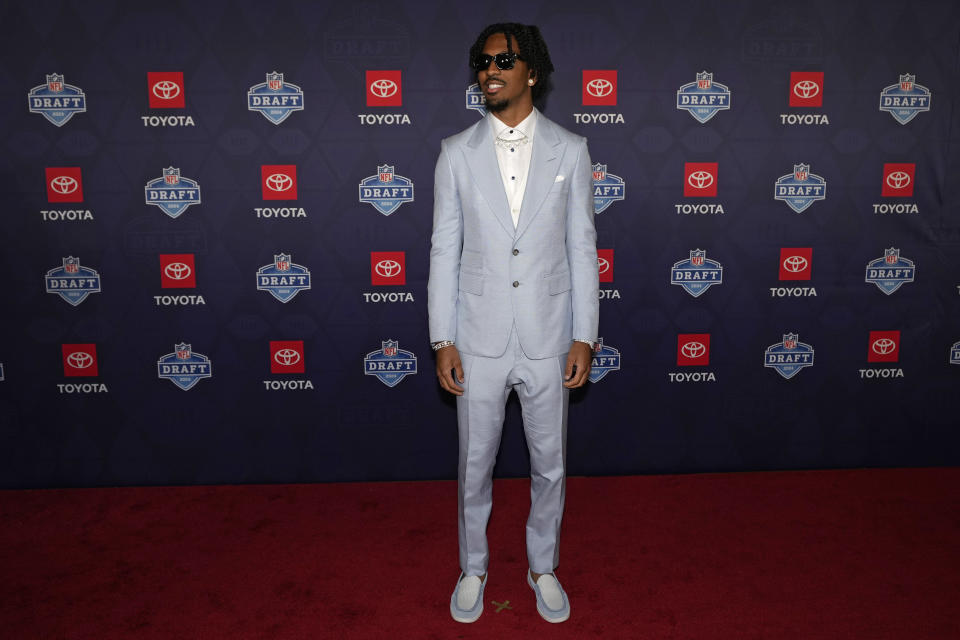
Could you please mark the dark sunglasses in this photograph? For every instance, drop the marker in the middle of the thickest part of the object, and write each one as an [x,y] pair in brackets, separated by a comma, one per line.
[504,61]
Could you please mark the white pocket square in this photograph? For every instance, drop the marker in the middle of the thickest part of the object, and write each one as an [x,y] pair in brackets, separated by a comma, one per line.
[558,179]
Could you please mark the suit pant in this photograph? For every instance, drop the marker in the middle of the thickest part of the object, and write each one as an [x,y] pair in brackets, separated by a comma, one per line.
[480,414]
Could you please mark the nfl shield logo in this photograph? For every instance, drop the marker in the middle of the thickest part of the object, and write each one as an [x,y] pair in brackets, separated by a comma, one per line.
[801,171]
[390,347]
[282,262]
[183,351]
[55,83]
[72,282]
[605,359]
[891,271]
[789,356]
[385,191]
[599,172]
[696,258]
[171,176]
[906,82]
[704,80]
[275,81]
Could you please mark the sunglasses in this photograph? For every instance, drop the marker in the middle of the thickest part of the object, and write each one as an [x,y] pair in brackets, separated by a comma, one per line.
[504,61]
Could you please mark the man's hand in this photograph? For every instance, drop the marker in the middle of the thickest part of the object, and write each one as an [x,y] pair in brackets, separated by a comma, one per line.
[579,357]
[448,363]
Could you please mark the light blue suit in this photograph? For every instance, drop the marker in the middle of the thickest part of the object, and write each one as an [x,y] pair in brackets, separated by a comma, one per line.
[513,299]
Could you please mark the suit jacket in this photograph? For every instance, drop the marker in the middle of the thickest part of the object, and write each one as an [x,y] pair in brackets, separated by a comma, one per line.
[486,275]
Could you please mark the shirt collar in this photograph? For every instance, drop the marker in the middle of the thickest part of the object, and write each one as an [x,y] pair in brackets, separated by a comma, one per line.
[526,127]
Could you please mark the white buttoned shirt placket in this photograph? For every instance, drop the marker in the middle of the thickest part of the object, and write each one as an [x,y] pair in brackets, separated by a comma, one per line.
[514,147]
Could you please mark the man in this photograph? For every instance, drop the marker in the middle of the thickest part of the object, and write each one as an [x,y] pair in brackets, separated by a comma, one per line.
[512,299]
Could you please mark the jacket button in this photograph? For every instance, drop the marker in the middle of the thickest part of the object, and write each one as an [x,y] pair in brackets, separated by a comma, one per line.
[516,251]
[516,284]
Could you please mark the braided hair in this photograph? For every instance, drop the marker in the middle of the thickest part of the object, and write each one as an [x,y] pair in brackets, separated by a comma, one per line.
[531,49]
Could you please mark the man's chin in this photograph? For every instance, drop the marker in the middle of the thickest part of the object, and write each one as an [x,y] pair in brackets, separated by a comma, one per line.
[496,106]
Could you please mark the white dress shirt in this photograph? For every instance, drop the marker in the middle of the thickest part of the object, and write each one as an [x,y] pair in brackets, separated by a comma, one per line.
[514,146]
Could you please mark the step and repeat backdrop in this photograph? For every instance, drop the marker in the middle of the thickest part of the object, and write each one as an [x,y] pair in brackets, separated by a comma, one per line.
[216,223]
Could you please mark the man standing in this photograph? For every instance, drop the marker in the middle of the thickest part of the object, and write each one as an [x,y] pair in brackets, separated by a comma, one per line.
[512,299]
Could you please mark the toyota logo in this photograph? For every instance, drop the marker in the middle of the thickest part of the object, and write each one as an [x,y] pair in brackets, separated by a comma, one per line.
[795,264]
[806,89]
[287,357]
[80,360]
[177,271]
[898,179]
[166,89]
[883,346]
[599,87]
[603,265]
[383,88]
[693,349]
[64,184]
[388,268]
[700,179]
[279,182]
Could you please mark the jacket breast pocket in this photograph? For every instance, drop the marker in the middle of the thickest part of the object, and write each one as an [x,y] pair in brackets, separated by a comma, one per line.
[557,282]
[471,282]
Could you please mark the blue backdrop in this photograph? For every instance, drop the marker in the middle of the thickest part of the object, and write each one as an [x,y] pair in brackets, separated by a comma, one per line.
[855,101]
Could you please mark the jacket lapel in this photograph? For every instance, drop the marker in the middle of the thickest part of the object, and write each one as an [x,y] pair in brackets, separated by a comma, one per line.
[544,166]
[482,161]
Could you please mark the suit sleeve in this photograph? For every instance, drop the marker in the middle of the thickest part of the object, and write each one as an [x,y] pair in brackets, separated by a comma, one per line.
[582,249]
[446,245]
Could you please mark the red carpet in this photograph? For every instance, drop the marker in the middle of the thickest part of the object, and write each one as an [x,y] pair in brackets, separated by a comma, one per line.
[796,555]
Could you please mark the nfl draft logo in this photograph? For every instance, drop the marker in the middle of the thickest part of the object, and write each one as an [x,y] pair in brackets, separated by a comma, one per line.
[697,273]
[386,191]
[789,356]
[390,364]
[905,99]
[954,355]
[283,279]
[56,101]
[891,271]
[801,188]
[475,99]
[704,98]
[172,193]
[605,359]
[72,282]
[275,99]
[607,188]
[184,367]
